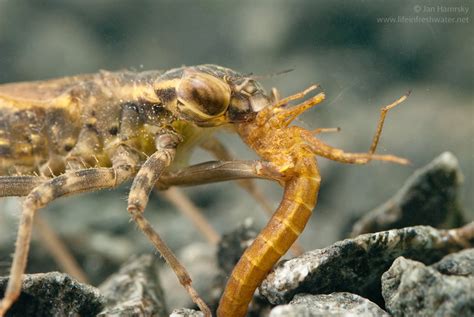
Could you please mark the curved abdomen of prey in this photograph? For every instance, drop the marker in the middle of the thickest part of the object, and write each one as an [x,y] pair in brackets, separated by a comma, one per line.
[274,240]
[292,151]
[285,148]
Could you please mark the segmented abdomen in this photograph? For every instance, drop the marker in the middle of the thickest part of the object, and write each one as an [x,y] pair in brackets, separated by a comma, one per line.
[46,125]
[273,242]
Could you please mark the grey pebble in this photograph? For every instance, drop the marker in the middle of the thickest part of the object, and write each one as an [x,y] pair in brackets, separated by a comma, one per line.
[356,265]
[412,289]
[186,312]
[429,197]
[460,263]
[134,290]
[335,304]
[54,294]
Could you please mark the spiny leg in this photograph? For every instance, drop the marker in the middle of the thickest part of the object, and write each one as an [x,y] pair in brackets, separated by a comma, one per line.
[82,155]
[218,171]
[170,258]
[165,143]
[21,186]
[151,170]
[219,150]
[143,183]
[66,184]
[186,206]
[38,198]
[79,157]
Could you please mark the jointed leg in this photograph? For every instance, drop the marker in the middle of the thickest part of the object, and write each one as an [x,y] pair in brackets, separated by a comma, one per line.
[66,184]
[215,147]
[335,154]
[221,153]
[210,172]
[143,183]
[177,197]
[322,149]
[218,171]
[21,186]
[151,171]
[170,258]
[283,102]
[383,113]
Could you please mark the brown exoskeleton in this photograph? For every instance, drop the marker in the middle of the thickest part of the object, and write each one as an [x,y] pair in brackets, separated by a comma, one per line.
[90,132]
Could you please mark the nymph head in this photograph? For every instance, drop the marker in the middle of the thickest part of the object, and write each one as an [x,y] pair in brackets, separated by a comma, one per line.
[212,95]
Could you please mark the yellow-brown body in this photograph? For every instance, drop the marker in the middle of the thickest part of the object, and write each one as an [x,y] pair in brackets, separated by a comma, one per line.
[41,122]
[284,147]
[274,240]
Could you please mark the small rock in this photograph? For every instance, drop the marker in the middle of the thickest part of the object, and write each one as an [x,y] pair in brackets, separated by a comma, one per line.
[460,263]
[134,290]
[335,304]
[232,245]
[186,312]
[54,294]
[356,265]
[429,197]
[412,289]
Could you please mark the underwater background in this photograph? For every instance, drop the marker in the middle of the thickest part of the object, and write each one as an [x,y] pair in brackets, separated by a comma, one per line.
[364,54]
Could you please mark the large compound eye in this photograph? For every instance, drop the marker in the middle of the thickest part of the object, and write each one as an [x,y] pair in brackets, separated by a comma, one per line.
[202,95]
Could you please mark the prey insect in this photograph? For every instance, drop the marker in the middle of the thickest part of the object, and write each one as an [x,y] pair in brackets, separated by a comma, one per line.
[91,132]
